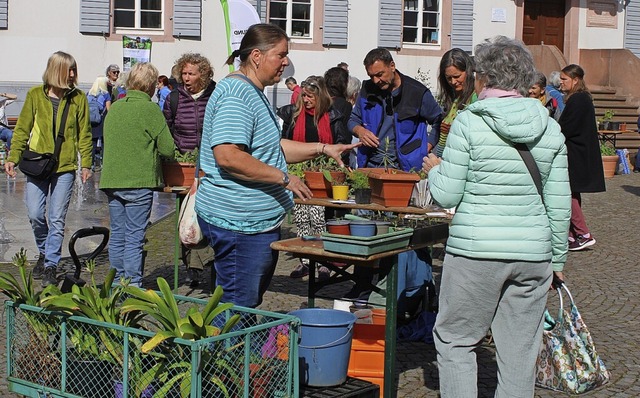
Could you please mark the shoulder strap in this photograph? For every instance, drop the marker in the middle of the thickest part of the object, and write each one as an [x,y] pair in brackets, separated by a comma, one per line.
[173,103]
[532,166]
[63,122]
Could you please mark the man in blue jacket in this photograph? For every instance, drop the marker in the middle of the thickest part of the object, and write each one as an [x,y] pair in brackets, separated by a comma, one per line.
[390,118]
[394,106]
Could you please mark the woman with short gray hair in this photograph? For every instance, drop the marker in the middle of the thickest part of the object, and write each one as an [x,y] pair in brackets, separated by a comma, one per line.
[508,236]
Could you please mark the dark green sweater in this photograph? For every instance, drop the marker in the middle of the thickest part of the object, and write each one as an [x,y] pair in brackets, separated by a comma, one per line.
[135,136]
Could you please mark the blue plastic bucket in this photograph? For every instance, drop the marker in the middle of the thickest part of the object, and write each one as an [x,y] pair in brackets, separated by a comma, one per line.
[325,346]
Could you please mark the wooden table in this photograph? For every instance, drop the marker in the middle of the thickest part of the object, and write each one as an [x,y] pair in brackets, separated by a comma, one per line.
[371,206]
[313,250]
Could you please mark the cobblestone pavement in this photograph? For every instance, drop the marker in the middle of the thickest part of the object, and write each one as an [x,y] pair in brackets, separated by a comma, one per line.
[605,282]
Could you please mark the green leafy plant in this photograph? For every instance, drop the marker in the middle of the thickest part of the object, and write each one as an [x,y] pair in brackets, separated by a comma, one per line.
[296,169]
[187,157]
[196,324]
[358,179]
[99,303]
[607,149]
[607,117]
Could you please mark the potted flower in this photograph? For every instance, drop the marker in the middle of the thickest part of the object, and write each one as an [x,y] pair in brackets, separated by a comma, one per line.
[359,181]
[180,171]
[609,159]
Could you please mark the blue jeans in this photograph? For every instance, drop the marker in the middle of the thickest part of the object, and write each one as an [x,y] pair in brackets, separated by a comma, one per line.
[129,211]
[6,135]
[245,263]
[49,234]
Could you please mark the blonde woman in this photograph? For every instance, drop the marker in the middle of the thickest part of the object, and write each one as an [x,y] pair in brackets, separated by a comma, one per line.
[39,122]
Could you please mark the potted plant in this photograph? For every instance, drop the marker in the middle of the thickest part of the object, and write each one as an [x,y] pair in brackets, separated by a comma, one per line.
[315,178]
[605,121]
[359,182]
[180,171]
[609,159]
[339,186]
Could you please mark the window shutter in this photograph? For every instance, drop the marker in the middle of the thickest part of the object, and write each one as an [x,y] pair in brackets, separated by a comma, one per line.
[632,24]
[462,25]
[187,18]
[4,14]
[390,24]
[95,16]
[335,28]
[263,8]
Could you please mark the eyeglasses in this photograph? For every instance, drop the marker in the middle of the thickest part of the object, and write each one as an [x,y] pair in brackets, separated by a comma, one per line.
[389,105]
[309,84]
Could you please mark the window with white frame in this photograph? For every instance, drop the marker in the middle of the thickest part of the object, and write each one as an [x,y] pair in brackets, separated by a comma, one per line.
[294,16]
[137,14]
[421,21]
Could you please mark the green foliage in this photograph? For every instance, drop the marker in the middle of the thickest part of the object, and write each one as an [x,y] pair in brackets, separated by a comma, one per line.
[321,163]
[334,180]
[607,149]
[296,169]
[100,303]
[194,325]
[23,291]
[187,157]
[608,116]
[358,179]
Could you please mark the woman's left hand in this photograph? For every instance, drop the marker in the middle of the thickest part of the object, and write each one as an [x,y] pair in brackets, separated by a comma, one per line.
[429,162]
[299,188]
[86,174]
[335,151]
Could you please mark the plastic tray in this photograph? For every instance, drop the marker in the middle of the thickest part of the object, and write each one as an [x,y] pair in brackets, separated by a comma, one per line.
[366,246]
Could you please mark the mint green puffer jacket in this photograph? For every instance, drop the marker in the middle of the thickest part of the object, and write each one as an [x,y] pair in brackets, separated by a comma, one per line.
[500,214]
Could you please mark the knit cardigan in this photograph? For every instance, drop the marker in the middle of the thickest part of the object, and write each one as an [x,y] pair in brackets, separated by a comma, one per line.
[135,137]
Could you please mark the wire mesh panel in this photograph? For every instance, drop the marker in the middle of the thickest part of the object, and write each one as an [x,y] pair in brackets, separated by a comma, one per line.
[75,356]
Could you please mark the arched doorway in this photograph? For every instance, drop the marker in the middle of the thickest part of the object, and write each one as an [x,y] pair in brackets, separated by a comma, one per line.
[544,22]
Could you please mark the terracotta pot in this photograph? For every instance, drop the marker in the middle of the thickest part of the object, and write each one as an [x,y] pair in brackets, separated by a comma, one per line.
[339,227]
[178,174]
[392,188]
[319,186]
[609,164]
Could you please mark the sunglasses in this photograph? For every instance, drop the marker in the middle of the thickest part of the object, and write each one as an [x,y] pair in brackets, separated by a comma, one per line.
[115,72]
[309,84]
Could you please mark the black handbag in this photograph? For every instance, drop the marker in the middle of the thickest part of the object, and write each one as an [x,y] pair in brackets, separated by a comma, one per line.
[42,165]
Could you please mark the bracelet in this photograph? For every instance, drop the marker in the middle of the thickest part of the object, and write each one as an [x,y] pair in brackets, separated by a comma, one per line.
[324,146]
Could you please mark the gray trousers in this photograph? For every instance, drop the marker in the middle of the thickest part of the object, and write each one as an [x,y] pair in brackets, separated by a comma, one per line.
[508,297]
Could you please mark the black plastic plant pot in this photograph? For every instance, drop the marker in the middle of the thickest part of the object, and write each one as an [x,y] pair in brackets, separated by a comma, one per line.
[362,195]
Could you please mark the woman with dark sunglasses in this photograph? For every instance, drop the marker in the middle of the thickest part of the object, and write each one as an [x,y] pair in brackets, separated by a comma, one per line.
[312,119]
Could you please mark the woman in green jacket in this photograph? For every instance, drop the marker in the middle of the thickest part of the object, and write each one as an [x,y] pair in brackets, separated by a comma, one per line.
[135,136]
[36,130]
[508,235]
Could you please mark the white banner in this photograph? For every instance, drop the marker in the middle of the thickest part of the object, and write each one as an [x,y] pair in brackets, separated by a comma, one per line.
[239,15]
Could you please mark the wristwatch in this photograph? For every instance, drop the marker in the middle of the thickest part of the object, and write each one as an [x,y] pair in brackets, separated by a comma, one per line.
[285,179]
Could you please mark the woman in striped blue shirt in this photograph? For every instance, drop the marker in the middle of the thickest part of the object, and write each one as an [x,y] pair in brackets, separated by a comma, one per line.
[246,191]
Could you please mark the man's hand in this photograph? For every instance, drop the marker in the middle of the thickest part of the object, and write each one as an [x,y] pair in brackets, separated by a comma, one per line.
[367,137]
